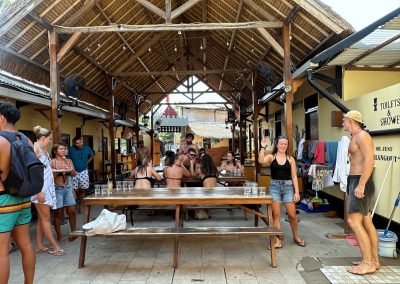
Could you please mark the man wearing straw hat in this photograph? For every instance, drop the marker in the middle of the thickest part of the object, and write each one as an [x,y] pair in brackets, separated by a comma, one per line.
[360,190]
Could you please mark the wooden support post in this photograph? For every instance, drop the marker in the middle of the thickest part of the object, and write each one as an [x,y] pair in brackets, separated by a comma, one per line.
[233,138]
[151,133]
[137,127]
[255,123]
[55,121]
[287,78]
[241,142]
[111,126]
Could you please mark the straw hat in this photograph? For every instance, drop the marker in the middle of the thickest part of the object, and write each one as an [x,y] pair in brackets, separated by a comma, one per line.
[355,115]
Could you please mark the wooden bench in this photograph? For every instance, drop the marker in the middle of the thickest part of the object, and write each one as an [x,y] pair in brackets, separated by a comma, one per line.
[183,232]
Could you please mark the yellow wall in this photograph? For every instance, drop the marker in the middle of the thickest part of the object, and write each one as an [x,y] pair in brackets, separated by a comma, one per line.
[360,89]
[69,122]
[362,82]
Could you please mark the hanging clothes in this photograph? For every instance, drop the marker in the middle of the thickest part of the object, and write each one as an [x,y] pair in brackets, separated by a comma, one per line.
[342,167]
[331,152]
[311,148]
[300,149]
[319,155]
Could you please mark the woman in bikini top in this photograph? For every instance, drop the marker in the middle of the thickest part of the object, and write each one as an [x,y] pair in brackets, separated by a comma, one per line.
[174,173]
[206,171]
[145,174]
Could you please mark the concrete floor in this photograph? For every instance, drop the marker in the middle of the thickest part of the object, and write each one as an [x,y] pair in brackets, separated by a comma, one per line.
[202,259]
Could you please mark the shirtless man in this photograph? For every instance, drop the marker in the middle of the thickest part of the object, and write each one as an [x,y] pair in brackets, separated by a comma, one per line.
[360,190]
[189,144]
[142,152]
[16,211]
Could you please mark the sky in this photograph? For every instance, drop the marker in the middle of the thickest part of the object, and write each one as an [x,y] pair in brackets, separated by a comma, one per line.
[361,13]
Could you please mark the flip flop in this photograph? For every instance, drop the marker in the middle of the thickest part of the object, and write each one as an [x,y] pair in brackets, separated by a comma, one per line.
[301,243]
[42,250]
[57,252]
[278,247]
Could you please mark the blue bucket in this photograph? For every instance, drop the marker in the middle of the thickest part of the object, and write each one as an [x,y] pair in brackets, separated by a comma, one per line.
[387,244]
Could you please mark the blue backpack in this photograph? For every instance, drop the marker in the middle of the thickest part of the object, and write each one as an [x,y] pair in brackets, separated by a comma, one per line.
[26,174]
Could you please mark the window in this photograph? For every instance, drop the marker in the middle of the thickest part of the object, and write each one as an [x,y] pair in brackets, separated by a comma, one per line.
[311,117]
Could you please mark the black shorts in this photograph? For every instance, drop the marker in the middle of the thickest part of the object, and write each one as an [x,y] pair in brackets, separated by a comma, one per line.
[360,205]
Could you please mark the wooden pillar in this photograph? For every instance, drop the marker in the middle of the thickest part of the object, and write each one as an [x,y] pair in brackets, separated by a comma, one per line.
[151,133]
[233,137]
[137,127]
[55,120]
[287,78]
[255,123]
[250,144]
[111,86]
[241,142]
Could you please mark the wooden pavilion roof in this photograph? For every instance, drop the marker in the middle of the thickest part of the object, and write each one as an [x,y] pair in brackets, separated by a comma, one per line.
[153,63]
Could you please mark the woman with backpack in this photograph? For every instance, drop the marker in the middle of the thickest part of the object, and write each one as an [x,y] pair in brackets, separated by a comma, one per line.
[45,199]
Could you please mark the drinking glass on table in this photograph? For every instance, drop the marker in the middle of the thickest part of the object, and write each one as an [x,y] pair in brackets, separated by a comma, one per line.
[104,189]
[97,189]
[119,185]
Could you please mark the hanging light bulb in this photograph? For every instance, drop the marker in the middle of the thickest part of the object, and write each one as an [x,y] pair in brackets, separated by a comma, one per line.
[227,42]
[98,44]
[252,50]
[123,47]
[252,38]
[201,46]
[179,32]
[149,48]
[175,49]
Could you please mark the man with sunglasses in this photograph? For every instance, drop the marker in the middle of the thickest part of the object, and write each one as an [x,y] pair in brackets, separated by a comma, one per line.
[81,155]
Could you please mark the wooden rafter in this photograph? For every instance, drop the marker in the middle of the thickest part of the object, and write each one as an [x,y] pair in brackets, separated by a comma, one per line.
[181,72]
[275,45]
[19,15]
[327,21]
[67,46]
[183,8]
[170,27]
[231,41]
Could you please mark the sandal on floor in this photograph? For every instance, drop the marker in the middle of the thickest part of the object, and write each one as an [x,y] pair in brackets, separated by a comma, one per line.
[42,250]
[278,247]
[57,252]
[301,243]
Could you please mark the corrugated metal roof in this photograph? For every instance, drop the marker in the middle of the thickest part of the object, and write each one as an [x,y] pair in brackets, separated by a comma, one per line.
[22,84]
[382,57]
[380,38]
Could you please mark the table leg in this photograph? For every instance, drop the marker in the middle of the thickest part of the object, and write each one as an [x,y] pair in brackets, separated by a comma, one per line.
[256,216]
[272,239]
[82,252]
[176,240]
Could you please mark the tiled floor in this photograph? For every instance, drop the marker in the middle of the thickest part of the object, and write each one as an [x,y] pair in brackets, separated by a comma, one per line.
[202,259]
[338,274]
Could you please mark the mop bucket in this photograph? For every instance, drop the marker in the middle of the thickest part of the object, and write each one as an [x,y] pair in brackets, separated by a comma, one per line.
[387,244]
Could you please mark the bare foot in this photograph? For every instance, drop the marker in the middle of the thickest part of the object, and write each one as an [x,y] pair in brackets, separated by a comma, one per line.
[376,264]
[362,269]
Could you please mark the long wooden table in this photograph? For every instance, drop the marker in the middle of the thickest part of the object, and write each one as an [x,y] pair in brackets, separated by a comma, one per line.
[178,198]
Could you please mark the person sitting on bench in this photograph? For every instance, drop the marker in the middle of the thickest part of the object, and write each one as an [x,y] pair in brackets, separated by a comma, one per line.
[175,171]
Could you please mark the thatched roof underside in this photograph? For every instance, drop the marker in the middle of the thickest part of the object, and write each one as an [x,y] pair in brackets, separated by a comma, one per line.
[24,45]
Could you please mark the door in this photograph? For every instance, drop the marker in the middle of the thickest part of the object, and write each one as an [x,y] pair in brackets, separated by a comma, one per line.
[88,140]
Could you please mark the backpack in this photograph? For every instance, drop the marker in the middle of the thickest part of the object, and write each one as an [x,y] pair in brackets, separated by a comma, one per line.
[26,175]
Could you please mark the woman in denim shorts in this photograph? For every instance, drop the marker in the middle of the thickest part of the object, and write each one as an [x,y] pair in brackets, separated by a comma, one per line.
[283,186]
[63,169]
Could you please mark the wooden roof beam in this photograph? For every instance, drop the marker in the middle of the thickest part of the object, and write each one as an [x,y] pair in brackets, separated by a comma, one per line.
[239,13]
[274,44]
[18,16]
[181,72]
[152,8]
[326,20]
[67,46]
[170,27]
[183,8]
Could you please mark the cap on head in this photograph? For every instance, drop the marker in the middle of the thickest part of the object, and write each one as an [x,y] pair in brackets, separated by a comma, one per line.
[355,115]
